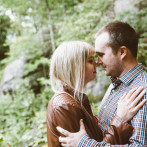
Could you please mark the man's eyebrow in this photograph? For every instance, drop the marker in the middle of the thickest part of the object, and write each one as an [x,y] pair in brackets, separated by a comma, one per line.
[101,53]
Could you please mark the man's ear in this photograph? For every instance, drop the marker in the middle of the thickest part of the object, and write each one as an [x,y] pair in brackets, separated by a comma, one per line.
[123,52]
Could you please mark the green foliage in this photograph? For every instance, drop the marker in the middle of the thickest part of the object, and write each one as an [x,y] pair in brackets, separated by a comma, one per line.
[139,22]
[85,16]
[23,112]
[25,116]
[4,26]
[4,48]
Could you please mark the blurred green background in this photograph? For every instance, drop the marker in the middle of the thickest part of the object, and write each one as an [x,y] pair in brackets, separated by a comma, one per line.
[30,31]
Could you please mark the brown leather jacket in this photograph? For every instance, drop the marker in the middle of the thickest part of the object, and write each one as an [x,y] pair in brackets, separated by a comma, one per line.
[65,112]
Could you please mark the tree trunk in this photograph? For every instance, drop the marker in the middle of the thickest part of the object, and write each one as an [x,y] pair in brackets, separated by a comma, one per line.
[63,5]
[50,26]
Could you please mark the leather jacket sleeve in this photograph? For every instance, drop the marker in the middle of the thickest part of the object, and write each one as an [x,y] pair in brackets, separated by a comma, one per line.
[67,117]
[119,132]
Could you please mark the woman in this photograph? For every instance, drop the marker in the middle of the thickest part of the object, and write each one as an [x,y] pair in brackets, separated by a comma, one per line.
[72,67]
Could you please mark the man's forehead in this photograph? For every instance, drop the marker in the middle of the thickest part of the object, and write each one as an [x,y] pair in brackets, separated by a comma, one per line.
[101,42]
[102,38]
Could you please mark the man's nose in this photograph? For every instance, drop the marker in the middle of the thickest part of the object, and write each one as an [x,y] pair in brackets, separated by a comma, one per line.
[99,61]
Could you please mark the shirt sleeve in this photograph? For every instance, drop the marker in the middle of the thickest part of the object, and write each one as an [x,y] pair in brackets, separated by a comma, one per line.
[138,138]
[119,132]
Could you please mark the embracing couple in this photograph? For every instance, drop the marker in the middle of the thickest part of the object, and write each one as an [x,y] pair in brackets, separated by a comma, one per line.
[122,115]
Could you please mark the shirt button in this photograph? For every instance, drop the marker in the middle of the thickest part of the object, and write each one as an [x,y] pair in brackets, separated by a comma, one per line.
[112,90]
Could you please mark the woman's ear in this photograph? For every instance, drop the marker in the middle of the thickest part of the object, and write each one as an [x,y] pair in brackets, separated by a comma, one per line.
[123,52]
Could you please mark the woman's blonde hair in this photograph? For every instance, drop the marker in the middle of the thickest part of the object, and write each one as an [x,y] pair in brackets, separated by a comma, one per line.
[68,66]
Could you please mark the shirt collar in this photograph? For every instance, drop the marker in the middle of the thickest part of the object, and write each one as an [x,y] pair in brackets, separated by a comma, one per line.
[116,82]
[128,76]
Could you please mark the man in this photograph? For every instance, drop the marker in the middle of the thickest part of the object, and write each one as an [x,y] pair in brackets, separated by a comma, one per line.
[116,46]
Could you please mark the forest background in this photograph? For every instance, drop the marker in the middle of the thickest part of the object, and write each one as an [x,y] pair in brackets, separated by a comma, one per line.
[30,31]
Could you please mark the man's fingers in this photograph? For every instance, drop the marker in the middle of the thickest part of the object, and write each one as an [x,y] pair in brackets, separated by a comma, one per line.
[62,139]
[82,127]
[64,132]
[64,144]
[139,97]
[65,141]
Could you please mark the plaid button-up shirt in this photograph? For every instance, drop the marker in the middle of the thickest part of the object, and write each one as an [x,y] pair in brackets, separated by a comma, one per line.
[134,78]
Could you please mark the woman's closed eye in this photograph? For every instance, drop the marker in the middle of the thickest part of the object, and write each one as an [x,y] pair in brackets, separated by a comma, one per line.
[91,60]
